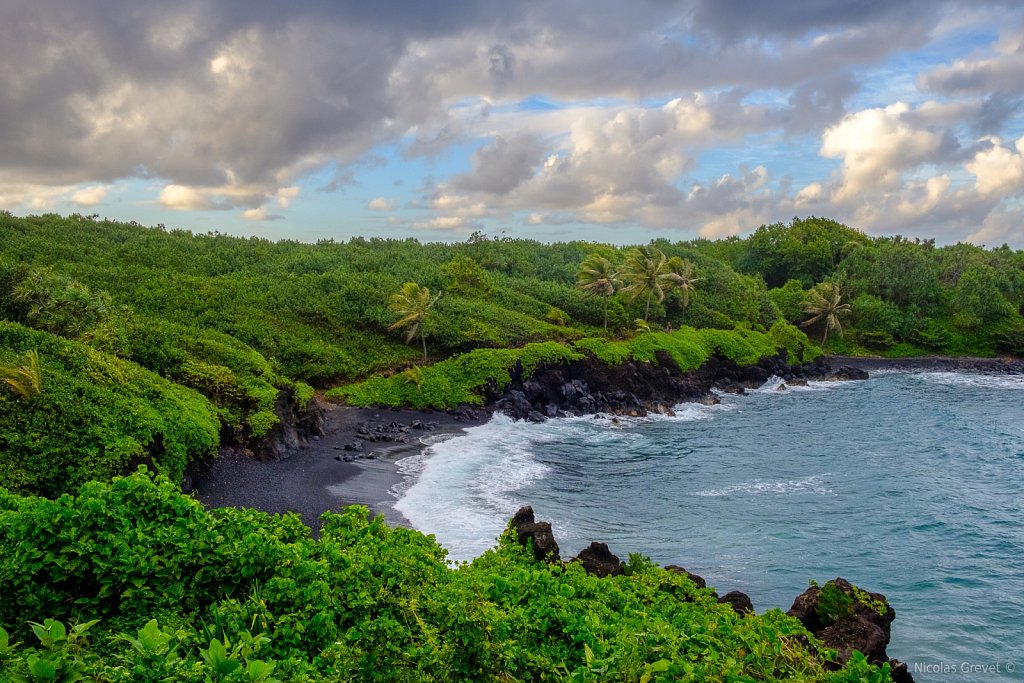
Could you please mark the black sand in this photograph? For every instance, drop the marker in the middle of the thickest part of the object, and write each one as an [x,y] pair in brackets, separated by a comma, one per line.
[313,479]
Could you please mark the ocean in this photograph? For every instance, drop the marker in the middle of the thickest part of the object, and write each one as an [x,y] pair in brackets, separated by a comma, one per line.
[907,484]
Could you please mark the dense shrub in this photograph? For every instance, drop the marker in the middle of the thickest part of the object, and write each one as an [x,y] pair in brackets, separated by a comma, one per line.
[96,414]
[237,595]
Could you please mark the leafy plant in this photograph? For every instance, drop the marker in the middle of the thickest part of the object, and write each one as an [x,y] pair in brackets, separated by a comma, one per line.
[824,303]
[647,272]
[413,303]
[598,277]
[25,380]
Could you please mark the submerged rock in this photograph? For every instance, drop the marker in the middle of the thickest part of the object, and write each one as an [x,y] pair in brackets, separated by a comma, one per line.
[847,372]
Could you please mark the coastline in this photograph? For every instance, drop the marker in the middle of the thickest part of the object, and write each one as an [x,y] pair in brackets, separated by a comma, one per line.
[343,467]
[355,461]
[998,365]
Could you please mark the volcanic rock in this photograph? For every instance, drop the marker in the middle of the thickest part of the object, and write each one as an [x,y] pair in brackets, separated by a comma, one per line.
[528,530]
[861,621]
[739,601]
[598,560]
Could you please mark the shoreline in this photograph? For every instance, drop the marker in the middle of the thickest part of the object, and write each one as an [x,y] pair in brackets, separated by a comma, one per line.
[1004,365]
[355,461]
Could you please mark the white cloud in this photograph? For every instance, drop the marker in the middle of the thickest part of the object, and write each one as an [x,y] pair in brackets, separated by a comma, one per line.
[286,194]
[380,204]
[919,199]
[1002,72]
[875,146]
[89,196]
[257,214]
[182,198]
[810,194]
[998,169]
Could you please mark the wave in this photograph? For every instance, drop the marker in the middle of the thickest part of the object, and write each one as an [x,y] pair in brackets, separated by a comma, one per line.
[970,379]
[462,489]
[774,385]
[814,484]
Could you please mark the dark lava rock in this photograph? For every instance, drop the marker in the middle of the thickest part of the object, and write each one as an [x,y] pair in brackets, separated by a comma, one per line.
[699,580]
[857,626]
[848,372]
[635,388]
[529,529]
[296,425]
[899,672]
[739,601]
[534,416]
[598,560]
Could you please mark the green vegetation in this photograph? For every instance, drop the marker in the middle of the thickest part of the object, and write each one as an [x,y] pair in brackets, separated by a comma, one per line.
[236,595]
[413,303]
[458,380]
[122,345]
[466,377]
[95,416]
[824,303]
[239,320]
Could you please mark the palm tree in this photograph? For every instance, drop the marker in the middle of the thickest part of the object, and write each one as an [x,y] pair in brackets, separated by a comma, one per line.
[413,304]
[647,271]
[681,277]
[824,303]
[598,277]
[25,380]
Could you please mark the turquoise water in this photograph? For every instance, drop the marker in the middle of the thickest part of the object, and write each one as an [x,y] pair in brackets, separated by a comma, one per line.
[906,484]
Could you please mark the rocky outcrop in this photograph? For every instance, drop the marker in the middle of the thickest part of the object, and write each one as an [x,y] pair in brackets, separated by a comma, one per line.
[635,388]
[739,601]
[843,617]
[699,580]
[296,425]
[598,560]
[846,618]
[537,535]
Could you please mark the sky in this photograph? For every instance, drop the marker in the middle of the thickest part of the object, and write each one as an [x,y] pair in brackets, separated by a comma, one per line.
[578,119]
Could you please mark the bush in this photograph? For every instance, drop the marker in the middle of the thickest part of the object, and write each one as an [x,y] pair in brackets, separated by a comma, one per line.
[95,415]
[237,595]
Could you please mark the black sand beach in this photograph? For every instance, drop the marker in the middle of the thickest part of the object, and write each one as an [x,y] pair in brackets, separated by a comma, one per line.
[316,478]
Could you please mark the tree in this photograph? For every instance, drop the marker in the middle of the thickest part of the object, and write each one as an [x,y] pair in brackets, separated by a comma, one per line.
[598,277]
[824,303]
[413,303]
[680,274]
[647,271]
[25,380]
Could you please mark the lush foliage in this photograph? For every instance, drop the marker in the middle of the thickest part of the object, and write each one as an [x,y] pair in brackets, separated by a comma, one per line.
[235,595]
[465,378]
[457,380]
[93,416]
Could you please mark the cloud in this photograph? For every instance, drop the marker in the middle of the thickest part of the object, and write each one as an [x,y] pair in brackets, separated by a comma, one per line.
[89,196]
[503,165]
[380,204]
[183,198]
[998,169]
[875,146]
[233,105]
[1002,73]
